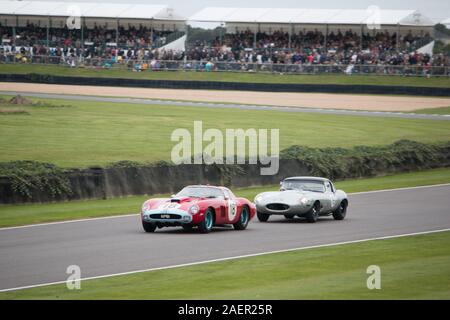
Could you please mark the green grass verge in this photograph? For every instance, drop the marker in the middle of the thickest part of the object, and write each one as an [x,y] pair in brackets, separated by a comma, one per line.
[227,76]
[14,215]
[414,267]
[86,133]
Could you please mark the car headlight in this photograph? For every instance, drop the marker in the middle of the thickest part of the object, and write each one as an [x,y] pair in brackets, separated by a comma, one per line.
[304,200]
[194,209]
[258,199]
[144,207]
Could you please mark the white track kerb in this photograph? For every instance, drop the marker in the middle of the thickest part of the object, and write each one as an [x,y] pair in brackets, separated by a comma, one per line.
[232,257]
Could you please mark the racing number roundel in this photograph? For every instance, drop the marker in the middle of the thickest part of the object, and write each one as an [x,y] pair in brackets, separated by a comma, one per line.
[231,206]
[231,209]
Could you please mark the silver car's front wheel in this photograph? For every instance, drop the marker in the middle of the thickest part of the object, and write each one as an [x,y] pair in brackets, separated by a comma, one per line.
[313,214]
[262,217]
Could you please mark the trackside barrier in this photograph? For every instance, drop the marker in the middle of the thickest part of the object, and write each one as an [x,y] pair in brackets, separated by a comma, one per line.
[222,85]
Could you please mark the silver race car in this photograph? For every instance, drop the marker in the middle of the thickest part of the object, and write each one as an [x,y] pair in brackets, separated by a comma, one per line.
[308,197]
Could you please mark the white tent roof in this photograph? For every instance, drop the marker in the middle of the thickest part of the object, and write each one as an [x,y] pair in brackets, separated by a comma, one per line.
[213,14]
[350,16]
[446,22]
[315,16]
[88,9]
[246,14]
[309,16]
[38,8]
[416,19]
[10,6]
[143,11]
[64,8]
[111,10]
[282,14]
[395,16]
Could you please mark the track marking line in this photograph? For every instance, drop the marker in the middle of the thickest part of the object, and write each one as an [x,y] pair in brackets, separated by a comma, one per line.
[68,221]
[400,189]
[135,214]
[231,258]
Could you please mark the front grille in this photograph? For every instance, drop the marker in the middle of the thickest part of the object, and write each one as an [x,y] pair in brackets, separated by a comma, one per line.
[165,216]
[277,206]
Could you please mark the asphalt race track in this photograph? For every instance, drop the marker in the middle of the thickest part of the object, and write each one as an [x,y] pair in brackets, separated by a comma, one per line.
[40,254]
[387,114]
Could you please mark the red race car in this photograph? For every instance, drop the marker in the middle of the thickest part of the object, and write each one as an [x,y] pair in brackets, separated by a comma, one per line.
[200,206]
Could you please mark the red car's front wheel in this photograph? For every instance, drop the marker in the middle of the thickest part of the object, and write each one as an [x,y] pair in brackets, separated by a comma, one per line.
[207,223]
[244,218]
[148,227]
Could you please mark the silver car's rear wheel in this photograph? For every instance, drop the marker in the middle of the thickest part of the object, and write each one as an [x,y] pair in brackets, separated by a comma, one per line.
[341,211]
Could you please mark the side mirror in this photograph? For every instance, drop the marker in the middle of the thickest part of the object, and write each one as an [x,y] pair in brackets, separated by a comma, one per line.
[226,198]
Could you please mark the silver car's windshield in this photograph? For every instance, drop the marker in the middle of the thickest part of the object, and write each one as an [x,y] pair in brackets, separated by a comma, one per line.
[304,185]
[200,192]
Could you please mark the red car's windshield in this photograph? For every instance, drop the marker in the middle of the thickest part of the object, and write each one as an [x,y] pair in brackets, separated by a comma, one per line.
[200,192]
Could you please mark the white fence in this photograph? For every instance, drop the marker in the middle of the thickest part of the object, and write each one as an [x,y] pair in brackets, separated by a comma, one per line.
[181,65]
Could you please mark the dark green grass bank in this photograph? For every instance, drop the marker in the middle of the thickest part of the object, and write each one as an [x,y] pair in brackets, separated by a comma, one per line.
[443,110]
[414,267]
[441,82]
[14,215]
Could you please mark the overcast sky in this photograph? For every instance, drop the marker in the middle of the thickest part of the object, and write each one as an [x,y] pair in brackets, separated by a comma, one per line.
[437,10]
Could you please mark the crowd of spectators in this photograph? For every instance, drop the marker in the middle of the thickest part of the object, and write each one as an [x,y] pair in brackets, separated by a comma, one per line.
[130,37]
[302,48]
[314,48]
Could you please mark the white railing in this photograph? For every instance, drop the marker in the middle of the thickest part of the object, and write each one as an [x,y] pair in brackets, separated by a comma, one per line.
[222,66]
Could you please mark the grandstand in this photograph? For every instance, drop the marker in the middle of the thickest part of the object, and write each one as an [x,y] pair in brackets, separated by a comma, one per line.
[317,35]
[29,23]
[293,20]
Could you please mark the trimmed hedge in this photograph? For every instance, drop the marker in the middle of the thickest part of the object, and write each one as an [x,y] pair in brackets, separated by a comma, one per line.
[29,176]
[364,161]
